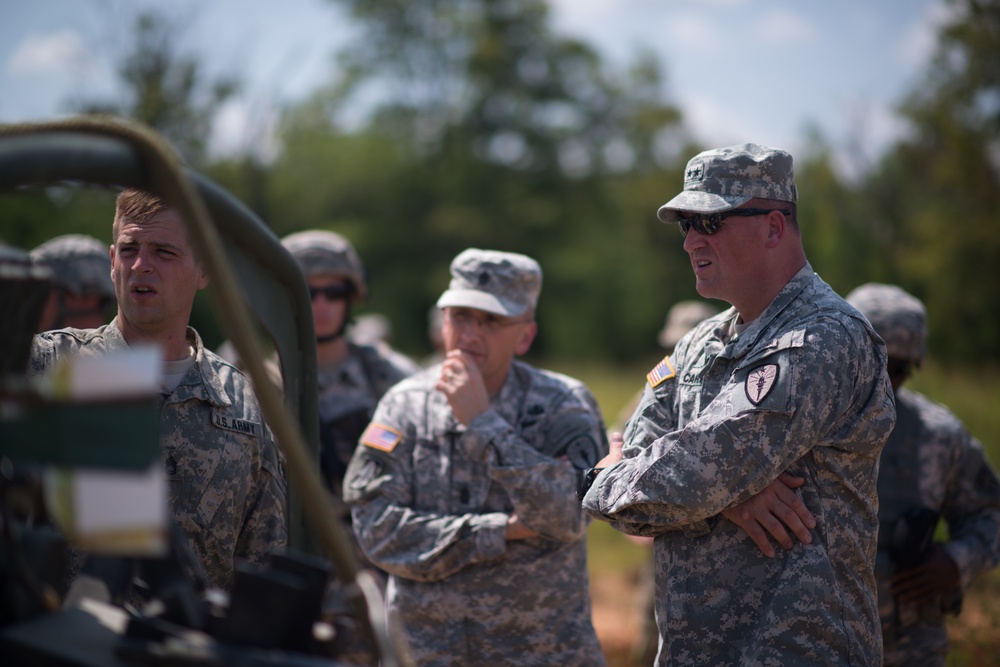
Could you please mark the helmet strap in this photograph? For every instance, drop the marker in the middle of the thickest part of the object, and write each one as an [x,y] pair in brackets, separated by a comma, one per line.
[340,331]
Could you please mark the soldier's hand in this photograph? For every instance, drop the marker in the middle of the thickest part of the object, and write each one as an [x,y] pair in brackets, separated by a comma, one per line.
[516,530]
[773,510]
[616,443]
[462,383]
[935,576]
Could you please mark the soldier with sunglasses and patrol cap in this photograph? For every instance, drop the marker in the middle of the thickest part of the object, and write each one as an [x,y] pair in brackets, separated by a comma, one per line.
[352,377]
[463,486]
[931,470]
[787,388]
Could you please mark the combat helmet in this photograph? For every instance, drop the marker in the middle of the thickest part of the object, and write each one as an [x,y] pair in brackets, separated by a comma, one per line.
[79,264]
[321,251]
[897,316]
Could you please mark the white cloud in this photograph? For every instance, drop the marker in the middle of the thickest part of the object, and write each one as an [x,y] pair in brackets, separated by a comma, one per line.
[54,52]
[786,28]
[246,128]
[715,123]
[689,30]
[917,42]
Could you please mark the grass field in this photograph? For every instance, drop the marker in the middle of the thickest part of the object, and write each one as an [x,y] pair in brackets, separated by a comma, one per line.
[616,563]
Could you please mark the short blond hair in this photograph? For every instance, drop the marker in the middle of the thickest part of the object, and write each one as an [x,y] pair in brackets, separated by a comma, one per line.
[133,205]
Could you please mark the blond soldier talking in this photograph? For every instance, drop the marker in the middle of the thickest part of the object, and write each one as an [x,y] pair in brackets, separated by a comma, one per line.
[463,486]
[226,485]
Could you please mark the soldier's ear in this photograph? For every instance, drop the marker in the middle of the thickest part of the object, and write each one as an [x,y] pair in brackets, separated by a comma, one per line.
[527,337]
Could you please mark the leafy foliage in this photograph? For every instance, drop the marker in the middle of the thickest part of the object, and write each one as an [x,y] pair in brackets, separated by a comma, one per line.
[459,123]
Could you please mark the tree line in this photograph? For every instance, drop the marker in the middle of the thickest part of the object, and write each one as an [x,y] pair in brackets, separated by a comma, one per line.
[490,130]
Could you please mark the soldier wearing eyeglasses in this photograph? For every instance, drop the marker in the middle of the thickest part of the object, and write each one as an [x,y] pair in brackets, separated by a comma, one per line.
[463,486]
[787,388]
[932,470]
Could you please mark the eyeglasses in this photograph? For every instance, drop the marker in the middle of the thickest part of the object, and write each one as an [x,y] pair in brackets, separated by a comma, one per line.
[489,322]
[330,292]
[710,223]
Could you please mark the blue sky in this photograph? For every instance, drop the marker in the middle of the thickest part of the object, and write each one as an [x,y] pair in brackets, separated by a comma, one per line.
[741,70]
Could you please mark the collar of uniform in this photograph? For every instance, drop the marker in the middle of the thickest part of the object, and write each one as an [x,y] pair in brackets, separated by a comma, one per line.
[509,402]
[792,289]
[201,382]
[207,384]
[349,374]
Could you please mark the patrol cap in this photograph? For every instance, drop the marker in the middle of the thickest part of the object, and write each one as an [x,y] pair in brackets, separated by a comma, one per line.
[723,178]
[681,318]
[897,316]
[503,283]
[79,264]
[321,251]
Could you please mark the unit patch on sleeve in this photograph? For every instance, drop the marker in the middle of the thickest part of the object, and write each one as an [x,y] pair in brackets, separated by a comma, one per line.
[760,381]
[661,372]
[381,437]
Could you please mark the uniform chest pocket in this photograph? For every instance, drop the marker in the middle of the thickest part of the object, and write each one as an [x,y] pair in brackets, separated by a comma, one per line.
[208,486]
[430,476]
[445,481]
[766,380]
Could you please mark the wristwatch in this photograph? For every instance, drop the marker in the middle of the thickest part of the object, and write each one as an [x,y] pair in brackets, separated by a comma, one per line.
[586,480]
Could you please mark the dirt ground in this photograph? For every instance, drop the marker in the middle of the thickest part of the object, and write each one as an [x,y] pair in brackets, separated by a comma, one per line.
[616,600]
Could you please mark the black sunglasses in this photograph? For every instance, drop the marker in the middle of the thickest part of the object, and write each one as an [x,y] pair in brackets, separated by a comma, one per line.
[712,222]
[899,367]
[331,292]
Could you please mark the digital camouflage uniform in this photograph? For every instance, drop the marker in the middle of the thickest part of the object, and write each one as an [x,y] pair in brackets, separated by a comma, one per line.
[931,468]
[225,479]
[431,510]
[931,461]
[348,394]
[799,390]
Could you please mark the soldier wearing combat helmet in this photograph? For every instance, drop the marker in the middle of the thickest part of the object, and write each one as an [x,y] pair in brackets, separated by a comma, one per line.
[352,377]
[931,468]
[82,294]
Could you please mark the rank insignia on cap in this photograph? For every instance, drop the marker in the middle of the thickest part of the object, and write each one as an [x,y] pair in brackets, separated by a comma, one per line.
[662,371]
[381,437]
[760,381]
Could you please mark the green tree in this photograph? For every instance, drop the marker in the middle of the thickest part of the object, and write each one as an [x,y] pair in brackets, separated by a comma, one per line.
[487,129]
[167,89]
[937,192]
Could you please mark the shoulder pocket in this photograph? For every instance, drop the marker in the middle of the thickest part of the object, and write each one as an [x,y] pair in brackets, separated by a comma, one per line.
[765,378]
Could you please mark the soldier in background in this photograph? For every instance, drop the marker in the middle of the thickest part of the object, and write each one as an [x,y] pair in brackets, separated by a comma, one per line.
[352,376]
[931,469]
[681,318]
[82,294]
[462,488]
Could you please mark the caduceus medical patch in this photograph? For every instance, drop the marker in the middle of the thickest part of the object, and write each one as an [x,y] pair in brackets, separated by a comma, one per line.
[760,381]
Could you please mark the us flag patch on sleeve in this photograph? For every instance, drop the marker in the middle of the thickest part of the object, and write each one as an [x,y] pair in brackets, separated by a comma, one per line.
[381,437]
[661,372]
